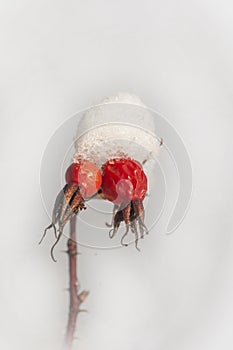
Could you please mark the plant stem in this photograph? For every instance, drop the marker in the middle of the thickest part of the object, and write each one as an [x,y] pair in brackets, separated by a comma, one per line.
[76,299]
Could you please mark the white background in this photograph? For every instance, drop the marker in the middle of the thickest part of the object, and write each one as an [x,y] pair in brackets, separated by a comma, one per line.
[57,57]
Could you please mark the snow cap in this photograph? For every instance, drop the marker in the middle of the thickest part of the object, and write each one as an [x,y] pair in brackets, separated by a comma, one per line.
[119,126]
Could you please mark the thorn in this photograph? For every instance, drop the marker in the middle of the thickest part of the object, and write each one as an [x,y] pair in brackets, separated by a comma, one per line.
[83,295]
[83,310]
[71,242]
[64,251]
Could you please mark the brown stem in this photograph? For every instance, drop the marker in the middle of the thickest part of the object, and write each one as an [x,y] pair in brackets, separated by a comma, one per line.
[76,299]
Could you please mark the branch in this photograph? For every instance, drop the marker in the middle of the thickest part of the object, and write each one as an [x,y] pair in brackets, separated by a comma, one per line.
[76,298]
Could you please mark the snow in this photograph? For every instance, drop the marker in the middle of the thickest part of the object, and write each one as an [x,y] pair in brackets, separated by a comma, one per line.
[120,125]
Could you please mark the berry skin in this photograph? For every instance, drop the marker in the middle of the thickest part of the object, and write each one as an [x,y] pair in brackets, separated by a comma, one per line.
[123,180]
[86,175]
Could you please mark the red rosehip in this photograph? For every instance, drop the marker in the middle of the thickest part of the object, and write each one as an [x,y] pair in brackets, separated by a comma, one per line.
[87,175]
[123,180]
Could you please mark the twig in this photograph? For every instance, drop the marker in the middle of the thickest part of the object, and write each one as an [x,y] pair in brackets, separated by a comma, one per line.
[76,298]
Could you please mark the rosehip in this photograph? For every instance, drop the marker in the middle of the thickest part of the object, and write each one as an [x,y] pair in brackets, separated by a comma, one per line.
[87,175]
[123,180]
[125,184]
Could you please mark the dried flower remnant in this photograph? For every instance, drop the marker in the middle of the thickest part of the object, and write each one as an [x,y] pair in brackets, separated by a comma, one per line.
[125,184]
[83,180]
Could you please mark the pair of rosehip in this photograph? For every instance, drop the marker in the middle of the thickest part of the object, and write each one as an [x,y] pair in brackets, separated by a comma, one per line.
[120,180]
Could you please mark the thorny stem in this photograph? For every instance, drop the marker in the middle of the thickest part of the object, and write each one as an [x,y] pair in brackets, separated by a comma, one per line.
[76,298]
